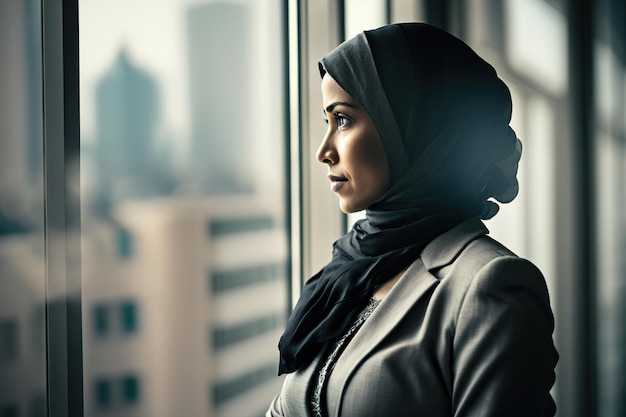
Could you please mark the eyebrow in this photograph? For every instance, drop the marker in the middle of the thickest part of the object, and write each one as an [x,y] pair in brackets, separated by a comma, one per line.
[338,103]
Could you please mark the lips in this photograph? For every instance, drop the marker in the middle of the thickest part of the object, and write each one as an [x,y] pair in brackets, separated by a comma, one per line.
[336,182]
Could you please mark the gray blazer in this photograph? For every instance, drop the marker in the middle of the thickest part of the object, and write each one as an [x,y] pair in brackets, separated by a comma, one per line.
[466,331]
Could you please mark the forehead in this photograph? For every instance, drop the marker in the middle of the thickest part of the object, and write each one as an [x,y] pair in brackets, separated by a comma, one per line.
[332,91]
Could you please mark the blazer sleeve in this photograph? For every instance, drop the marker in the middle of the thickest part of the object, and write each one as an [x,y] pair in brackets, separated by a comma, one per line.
[503,357]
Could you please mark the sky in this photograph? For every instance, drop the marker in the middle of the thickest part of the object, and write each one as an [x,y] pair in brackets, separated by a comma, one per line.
[152,33]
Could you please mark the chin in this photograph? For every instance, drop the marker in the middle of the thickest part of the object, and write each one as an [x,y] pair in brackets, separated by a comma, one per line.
[348,208]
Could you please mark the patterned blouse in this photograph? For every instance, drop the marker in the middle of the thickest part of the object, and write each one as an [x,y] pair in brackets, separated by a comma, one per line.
[333,356]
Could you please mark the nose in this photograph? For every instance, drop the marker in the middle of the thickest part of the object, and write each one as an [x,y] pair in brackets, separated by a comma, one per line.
[326,152]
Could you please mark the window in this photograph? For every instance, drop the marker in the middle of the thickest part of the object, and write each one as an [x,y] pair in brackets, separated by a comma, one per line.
[23,222]
[183,160]
[231,226]
[102,393]
[117,391]
[242,277]
[101,319]
[130,390]
[187,110]
[128,314]
[125,246]
[608,201]
[226,336]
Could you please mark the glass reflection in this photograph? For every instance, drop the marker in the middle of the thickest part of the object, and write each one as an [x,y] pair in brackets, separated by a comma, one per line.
[184,250]
[22,268]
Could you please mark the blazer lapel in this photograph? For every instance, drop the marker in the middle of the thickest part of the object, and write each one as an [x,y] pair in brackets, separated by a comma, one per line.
[410,288]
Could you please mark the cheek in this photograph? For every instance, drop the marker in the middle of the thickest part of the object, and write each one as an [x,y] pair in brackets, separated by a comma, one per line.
[380,181]
[371,161]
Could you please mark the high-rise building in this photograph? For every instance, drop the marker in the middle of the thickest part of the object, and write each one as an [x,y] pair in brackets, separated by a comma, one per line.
[183,304]
[127,110]
[21,120]
[22,326]
[22,262]
[220,83]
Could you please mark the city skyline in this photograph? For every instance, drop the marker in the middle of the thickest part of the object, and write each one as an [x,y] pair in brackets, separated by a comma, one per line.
[223,145]
[166,268]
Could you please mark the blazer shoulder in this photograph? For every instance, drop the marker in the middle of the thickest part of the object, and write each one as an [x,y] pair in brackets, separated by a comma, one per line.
[486,263]
[486,270]
[473,257]
[487,248]
[468,241]
[494,261]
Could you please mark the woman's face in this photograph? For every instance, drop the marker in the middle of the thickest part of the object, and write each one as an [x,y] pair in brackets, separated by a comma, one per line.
[357,165]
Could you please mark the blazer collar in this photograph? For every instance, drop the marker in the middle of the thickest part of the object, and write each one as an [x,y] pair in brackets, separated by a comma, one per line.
[444,249]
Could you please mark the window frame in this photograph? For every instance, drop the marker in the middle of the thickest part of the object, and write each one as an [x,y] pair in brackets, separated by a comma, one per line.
[62,207]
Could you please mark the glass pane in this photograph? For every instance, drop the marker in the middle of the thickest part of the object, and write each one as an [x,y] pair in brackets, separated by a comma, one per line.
[183,195]
[610,197]
[528,225]
[362,15]
[22,267]
[538,53]
[611,273]
[536,72]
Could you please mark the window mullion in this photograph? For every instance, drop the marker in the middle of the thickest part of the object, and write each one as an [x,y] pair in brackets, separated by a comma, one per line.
[62,207]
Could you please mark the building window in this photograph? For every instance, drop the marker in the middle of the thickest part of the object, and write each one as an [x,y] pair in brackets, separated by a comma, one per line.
[223,227]
[128,313]
[125,247]
[101,319]
[226,336]
[242,277]
[103,398]
[130,390]
[8,340]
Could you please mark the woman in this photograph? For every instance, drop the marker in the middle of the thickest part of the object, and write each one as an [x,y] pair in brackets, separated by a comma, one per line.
[418,313]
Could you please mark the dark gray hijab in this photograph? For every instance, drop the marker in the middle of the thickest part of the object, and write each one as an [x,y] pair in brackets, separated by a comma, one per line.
[443,116]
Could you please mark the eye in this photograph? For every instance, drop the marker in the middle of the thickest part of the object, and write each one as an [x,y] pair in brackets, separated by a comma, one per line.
[343,121]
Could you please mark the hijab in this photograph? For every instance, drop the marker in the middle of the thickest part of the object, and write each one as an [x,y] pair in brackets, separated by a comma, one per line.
[443,116]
